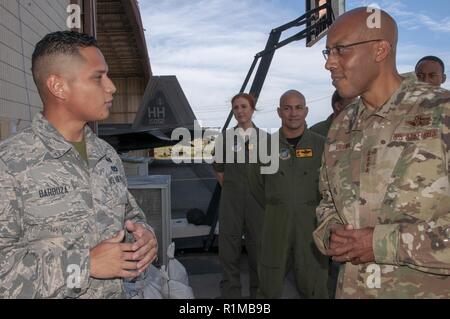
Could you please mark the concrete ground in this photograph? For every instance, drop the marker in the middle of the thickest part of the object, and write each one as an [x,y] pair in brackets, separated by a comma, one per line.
[204,273]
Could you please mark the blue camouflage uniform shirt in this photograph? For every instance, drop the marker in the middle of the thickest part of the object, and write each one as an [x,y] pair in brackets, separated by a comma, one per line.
[55,207]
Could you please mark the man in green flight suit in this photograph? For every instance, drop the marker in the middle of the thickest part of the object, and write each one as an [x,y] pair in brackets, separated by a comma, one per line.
[290,197]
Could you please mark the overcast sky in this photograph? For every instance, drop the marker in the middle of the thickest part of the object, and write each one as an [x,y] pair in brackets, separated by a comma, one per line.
[210,44]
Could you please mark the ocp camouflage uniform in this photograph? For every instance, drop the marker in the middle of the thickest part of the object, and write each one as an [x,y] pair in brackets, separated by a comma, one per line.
[390,170]
[53,209]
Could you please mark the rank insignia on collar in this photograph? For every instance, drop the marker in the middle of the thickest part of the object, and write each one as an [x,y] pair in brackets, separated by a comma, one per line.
[420,120]
[285,154]
[304,153]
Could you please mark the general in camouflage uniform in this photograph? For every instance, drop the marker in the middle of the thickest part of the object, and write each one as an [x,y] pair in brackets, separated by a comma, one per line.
[54,208]
[399,158]
[388,170]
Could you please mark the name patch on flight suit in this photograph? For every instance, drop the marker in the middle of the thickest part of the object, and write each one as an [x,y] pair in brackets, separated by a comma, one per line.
[53,191]
[304,153]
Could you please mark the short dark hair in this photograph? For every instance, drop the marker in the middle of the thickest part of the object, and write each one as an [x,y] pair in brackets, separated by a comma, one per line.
[60,42]
[434,59]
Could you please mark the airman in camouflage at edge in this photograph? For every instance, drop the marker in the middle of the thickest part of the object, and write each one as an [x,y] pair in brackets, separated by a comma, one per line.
[385,212]
[64,201]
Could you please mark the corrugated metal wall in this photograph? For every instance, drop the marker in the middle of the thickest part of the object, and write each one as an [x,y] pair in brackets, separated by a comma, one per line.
[22,24]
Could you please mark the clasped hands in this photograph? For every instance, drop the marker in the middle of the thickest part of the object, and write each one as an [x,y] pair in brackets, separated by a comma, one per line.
[351,245]
[112,258]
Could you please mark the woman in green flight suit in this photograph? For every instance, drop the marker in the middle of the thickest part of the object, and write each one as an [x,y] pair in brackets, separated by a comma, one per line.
[239,213]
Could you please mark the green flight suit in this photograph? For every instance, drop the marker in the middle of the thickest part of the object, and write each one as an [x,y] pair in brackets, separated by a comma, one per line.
[239,214]
[290,198]
[323,127]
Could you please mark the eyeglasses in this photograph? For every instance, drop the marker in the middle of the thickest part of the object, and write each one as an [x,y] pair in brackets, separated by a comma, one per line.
[340,49]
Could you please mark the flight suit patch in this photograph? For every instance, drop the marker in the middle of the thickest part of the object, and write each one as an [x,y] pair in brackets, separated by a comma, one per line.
[285,154]
[304,153]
